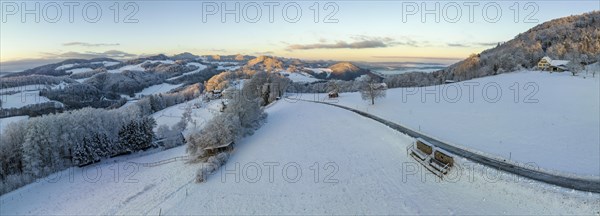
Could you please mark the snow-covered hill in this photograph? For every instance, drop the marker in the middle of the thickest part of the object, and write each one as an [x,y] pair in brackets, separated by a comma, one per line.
[362,169]
[551,122]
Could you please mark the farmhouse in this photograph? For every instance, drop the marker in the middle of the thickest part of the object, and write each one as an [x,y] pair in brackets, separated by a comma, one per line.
[547,64]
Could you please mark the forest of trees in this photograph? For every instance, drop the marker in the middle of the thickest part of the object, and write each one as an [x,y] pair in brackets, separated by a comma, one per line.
[573,38]
[8,82]
[42,145]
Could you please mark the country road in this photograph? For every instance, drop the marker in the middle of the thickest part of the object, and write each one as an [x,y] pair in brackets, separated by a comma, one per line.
[572,182]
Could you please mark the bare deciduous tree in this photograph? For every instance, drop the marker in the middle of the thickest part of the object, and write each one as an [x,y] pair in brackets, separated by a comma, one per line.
[371,89]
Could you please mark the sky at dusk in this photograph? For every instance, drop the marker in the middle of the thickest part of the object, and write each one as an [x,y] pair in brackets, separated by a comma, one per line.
[375,31]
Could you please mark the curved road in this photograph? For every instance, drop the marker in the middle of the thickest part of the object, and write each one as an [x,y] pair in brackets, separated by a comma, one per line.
[531,173]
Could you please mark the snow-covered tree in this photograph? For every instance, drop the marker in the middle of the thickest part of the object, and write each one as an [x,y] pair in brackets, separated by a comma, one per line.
[222,129]
[11,157]
[83,152]
[137,134]
[574,64]
[37,148]
[371,90]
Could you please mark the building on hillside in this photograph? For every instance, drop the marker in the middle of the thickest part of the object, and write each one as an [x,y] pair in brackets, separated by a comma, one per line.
[547,64]
[449,81]
[214,150]
[333,94]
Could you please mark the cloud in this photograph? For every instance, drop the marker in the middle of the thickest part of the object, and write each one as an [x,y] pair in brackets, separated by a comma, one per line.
[417,57]
[89,55]
[478,44]
[487,44]
[360,42]
[264,53]
[84,44]
[217,50]
[457,45]
[339,45]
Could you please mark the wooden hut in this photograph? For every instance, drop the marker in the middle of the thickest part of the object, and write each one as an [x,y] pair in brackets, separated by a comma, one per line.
[213,150]
[333,94]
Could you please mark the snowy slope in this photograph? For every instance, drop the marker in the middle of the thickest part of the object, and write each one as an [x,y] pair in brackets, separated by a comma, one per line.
[369,159]
[558,132]
[157,89]
[79,70]
[360,165]
[112,187]
[22,99]
[106,63]
[66,66]
[20,96]
[136,67]
[299,77]
[6,121]
[200,115]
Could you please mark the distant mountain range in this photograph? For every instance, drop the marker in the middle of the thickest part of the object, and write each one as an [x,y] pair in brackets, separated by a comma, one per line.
[572,38]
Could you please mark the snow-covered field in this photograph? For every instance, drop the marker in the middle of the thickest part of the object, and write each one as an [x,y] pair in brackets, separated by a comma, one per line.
[200,114]
[299,77]
[361,168]
[321,70]
[228,68]
[157,89]
[20,96]
[22,99]
[66,66]
[407,70]
[111,187]
[6,121]
[79,70]
[552,121]
[106,63]
[136,67]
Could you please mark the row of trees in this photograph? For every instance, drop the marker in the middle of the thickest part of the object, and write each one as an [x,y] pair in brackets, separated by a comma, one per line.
[39,80]
[33,109]
[241,117]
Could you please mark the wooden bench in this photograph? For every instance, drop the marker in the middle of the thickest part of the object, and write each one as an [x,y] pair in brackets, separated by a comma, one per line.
[421,149]
[442,161]
[434,159]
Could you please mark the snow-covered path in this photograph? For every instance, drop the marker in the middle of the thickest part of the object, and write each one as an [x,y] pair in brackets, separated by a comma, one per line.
[362,169]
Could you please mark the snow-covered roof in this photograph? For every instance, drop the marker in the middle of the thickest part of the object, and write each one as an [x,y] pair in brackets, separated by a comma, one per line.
[548,59]
[555,63]
[218,147]
[559,62]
